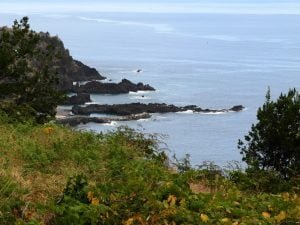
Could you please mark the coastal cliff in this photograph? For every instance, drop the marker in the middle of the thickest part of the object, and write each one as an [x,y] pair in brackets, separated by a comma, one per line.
[68,69]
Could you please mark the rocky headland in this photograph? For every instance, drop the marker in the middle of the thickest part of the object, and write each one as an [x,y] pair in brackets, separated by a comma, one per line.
[71,73]
[67,69]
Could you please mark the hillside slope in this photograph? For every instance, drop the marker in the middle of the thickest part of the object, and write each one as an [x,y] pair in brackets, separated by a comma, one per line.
[52,175]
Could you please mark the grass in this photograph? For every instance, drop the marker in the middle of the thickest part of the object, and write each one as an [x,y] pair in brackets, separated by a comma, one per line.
[53,175]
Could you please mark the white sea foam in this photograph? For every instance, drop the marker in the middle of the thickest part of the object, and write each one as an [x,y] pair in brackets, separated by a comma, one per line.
[144,120]
[186,112]
[159,28]
[212,113]
[112,123]
[138,92]
[156,117]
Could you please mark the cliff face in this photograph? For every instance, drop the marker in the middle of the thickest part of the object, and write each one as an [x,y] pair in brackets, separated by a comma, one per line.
[68,69]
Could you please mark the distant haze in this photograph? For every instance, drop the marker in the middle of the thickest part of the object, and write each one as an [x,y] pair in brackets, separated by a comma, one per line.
[157,6]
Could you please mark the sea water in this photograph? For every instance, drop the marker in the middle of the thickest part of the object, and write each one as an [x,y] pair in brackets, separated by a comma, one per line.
[214,59]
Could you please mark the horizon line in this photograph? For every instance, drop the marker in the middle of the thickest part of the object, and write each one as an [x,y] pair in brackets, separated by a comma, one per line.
[209,8]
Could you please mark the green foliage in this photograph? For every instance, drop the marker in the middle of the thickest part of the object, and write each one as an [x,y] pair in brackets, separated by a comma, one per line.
[75,188]
[262,181]
[122,177]
[10,202]
[27,84]
[183,164]
[274,142]
[74,207]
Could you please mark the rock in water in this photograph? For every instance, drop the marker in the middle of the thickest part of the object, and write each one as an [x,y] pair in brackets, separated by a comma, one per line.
[138,108]
[125,86]
[76,120]
[237,108]
[79,99]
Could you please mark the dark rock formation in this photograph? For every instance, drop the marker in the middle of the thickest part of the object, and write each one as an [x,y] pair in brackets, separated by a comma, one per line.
[79,99]
[76,120]
[137,108]
[125,86]
[237,108]
[67,69]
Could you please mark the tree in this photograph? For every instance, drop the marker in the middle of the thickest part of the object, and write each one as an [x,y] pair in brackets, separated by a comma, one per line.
[274,142]
[27,84]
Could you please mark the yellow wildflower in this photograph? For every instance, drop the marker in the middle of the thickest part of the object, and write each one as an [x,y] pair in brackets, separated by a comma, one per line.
[48,130]
[225,220]
[95,201]
[266,215]
[172,200]
[286,197]
[204,217]
[90,195]
[281,216]
[129,221]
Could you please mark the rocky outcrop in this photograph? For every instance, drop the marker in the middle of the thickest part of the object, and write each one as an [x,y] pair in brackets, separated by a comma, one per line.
[125,86]
[138,108]
[237,108]
[68,70]
[76,120]
[79,99]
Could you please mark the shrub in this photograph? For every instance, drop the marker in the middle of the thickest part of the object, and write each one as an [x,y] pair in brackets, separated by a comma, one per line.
[274,142]
[25,91]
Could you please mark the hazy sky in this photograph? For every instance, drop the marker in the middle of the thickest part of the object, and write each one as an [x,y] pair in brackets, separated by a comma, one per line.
[159,6]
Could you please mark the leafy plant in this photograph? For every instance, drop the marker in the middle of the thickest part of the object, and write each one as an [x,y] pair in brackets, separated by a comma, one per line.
[10,202]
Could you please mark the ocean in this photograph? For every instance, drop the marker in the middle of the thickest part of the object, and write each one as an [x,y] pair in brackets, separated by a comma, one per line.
[215,56]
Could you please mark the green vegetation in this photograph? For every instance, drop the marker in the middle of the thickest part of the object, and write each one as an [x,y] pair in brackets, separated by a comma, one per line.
[53,175]
[273,144]
[27,83]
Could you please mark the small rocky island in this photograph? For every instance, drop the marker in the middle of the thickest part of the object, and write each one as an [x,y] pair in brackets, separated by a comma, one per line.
[138,108]
[123,87]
